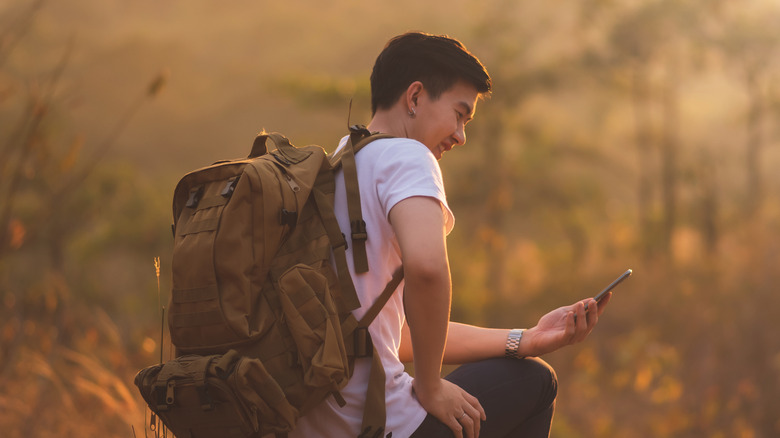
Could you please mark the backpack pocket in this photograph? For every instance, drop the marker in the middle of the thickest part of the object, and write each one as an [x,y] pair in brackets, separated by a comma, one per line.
[216,396]
[311,317]
[198,315]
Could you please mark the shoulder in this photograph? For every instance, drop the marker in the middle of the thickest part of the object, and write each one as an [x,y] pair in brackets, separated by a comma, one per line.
[391,153]
[402,168]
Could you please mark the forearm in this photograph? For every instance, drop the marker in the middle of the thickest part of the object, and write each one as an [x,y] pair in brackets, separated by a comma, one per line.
[468,343]
[427,302]
[563,326]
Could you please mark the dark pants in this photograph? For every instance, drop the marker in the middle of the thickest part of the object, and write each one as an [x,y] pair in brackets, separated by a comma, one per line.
[518,397]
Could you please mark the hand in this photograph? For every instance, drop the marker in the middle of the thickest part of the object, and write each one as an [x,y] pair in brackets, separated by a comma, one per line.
[563,326]
[451,405]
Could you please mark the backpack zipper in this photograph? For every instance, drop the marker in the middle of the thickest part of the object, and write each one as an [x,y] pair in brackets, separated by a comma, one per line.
[293,185]
[286,217]
[290,181]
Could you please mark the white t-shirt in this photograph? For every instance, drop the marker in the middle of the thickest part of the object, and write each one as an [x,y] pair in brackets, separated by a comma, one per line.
[389,171]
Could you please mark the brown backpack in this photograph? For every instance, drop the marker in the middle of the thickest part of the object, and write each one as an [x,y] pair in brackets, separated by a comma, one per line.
[261,322]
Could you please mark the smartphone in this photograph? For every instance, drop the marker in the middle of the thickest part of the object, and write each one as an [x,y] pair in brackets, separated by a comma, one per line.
[611,286]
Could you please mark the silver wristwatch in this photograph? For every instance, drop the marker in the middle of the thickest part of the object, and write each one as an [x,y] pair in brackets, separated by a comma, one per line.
[512,343]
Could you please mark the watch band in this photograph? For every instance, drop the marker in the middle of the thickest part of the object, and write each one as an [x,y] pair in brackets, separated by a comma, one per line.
[512,343]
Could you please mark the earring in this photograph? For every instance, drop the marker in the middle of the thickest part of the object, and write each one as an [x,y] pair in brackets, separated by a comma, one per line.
[412,113]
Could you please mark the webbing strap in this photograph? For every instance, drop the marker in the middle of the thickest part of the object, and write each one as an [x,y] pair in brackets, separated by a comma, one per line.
[290,153]
[258,147]
[380,302]
[335,159]
[225,362]
[374,415]
[198,319]
[339,245]
[204,293]
[195,227]
[351,324]
[211,201]
[359,137]
[366,140]
[356,222]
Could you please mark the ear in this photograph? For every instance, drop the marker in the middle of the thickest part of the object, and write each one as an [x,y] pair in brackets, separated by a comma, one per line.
[413,92]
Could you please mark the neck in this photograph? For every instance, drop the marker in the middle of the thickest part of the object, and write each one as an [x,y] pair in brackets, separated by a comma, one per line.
[391,121]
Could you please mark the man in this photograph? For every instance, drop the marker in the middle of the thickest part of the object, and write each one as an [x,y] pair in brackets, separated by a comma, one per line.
[425,89]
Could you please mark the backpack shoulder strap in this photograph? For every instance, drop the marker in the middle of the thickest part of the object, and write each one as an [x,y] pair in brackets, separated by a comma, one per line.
[359,137]
[380,302]
[374,412]
[323,197]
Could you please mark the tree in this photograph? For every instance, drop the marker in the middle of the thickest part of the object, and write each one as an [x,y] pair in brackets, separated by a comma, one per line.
[750,44]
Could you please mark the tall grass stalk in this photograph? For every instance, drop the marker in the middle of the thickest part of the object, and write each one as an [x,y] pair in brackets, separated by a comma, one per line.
[155,424]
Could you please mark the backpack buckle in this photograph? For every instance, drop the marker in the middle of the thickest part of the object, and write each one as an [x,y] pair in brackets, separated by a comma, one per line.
[287,217]
[359,130]
[160,394]
[206,403]
[364,346]
[358,230]
[230,187]
[195,195]
[357,133]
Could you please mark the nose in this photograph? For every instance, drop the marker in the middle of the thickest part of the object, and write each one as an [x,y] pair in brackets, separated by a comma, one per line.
[460,135]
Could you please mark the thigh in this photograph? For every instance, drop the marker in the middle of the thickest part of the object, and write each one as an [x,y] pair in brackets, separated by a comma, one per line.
[516,395]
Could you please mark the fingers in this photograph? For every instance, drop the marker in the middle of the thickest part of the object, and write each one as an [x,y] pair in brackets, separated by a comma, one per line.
[467,425]
[601,303]
[582,320]
[579,311]
[571,323]
[463,425]
[476,414]
[470,420]
[593,314]
[460,411]
[457,429]
[585,315]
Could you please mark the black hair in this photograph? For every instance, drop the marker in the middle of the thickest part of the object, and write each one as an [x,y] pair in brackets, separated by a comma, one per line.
[437,61]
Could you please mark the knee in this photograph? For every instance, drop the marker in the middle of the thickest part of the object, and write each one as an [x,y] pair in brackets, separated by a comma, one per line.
[545,375]
[534,369]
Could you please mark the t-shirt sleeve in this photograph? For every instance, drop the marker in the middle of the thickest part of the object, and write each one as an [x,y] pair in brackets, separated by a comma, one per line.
[408,169]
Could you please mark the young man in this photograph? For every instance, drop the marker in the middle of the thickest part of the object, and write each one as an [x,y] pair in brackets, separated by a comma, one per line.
[425,90]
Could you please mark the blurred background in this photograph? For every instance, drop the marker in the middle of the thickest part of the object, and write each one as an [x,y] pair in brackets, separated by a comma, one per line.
[636,134]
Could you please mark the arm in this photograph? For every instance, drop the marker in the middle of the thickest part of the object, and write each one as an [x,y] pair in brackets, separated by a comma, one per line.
[418,223]
[467,343]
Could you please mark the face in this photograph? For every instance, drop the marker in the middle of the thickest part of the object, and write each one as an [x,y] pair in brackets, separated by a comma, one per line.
[440,123]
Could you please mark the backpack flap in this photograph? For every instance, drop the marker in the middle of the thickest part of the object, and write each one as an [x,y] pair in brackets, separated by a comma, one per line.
[211,223]
[192,401]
